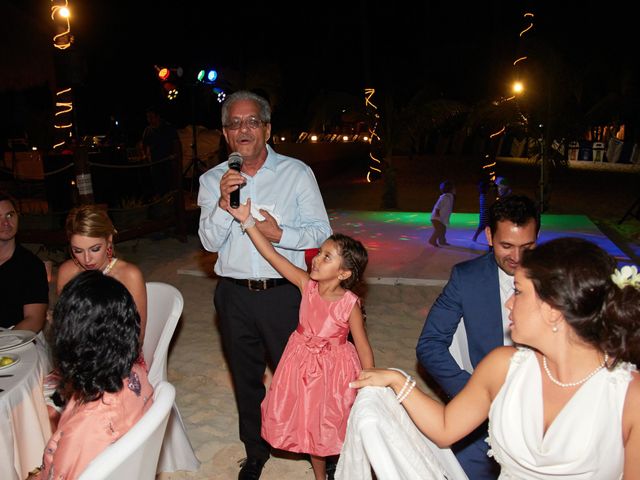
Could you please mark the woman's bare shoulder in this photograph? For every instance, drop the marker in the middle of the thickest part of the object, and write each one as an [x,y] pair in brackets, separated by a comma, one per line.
[66,271]
[492,369]
[126,271]
[631,409]
[633,391]
[501,355]
[68,266]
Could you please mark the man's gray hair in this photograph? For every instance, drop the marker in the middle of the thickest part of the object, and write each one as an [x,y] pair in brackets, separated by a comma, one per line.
[265,108]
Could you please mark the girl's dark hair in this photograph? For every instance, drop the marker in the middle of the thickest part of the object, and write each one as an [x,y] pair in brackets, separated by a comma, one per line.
[94,336]
[354,258]
[574,276]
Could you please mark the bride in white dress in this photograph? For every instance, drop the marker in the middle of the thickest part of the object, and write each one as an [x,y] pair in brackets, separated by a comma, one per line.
[566,402]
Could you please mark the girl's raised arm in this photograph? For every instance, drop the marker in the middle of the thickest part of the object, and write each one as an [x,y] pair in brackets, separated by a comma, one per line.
[288,270]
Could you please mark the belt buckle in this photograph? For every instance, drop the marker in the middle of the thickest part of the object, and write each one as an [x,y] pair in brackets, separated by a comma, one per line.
[260,284]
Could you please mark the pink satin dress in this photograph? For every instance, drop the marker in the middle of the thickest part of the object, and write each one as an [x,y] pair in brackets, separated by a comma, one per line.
[308,402]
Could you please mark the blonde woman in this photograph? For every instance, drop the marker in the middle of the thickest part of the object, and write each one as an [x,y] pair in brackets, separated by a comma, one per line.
[90,233]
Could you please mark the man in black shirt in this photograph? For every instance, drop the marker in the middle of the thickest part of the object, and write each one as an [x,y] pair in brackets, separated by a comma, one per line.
[24,289]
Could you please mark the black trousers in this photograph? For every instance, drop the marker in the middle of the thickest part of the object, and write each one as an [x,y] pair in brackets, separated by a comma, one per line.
[255,327]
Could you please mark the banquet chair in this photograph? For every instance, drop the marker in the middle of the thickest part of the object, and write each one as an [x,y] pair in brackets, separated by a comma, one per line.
[381,436]
[459,348]
[164,307]
[136,453]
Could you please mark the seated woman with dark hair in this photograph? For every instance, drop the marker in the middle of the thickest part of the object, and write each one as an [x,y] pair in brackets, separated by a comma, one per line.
[95,340]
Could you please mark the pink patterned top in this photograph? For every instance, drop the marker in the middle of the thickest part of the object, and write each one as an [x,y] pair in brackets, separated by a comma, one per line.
[87,429]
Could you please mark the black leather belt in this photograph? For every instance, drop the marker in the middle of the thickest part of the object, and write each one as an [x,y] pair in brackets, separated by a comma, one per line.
[259,284]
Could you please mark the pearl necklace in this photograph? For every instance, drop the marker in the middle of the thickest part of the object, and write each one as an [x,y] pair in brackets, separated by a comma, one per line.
[579,382]
[108,268]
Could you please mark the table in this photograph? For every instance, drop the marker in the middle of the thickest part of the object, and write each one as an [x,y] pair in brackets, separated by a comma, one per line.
[24,422]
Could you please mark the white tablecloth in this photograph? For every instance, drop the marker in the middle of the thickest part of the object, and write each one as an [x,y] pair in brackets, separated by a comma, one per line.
[24,423]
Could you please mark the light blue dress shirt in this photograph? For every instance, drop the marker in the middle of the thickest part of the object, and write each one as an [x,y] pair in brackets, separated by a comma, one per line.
[286,183]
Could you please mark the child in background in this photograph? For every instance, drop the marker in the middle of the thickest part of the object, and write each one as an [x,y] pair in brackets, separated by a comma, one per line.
[503,189]
[308,403]
[483,217]
[441,213]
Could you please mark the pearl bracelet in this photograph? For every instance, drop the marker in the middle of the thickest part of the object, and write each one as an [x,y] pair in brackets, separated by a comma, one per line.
[409,384]
[248,223]
[407,392]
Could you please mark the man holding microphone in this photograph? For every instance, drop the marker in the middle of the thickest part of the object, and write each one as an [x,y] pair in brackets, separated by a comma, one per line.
[256,307]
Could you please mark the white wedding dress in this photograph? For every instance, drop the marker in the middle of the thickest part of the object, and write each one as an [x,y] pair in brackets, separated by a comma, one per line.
[583,442]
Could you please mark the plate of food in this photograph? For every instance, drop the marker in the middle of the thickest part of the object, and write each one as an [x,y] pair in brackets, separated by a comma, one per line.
[10,339]
[8,360]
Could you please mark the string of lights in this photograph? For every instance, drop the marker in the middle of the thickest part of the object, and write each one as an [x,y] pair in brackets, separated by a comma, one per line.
[376,164]
[60,15]
[63,117]
[517,89]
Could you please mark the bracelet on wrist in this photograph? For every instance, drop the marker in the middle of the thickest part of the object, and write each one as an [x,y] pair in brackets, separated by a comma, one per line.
[409,385]
[248,223]
[407,382]
[412,385]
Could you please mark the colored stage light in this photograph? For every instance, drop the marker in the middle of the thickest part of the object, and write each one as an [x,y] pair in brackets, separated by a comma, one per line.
[207,75]
[164,73]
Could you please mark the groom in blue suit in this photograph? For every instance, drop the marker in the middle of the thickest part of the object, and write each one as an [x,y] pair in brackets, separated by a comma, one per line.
[476,292]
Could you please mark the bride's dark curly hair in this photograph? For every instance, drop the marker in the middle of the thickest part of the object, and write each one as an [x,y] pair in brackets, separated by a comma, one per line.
[94,336]
[574,276]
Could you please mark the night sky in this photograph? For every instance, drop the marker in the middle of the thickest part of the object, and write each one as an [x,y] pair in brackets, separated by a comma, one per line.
[453,50]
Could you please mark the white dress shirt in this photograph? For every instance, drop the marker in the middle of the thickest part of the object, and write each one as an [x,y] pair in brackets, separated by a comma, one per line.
[285,183]
[506,290]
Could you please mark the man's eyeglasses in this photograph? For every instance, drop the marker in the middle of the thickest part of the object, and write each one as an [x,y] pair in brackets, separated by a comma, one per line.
[250,122]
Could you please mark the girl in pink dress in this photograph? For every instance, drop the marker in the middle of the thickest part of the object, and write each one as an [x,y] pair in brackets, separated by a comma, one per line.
[309,399]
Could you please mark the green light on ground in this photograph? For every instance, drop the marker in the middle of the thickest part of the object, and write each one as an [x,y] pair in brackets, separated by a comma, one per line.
[470,220]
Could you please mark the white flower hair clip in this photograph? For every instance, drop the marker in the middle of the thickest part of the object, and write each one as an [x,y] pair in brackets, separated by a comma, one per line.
[626,276]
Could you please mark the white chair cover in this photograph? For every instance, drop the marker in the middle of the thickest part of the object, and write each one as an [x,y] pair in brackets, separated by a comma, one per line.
[164,307]
[135,454]
[459,348]
[382,436]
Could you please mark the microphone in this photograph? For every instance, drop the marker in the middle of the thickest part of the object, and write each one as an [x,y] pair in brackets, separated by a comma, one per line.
[235,163]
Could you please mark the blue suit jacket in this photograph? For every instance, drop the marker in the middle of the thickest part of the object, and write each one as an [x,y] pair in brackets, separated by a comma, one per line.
[473,292]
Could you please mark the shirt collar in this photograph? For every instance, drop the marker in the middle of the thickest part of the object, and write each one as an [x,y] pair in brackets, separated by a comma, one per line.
[506,281]
[271,163]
